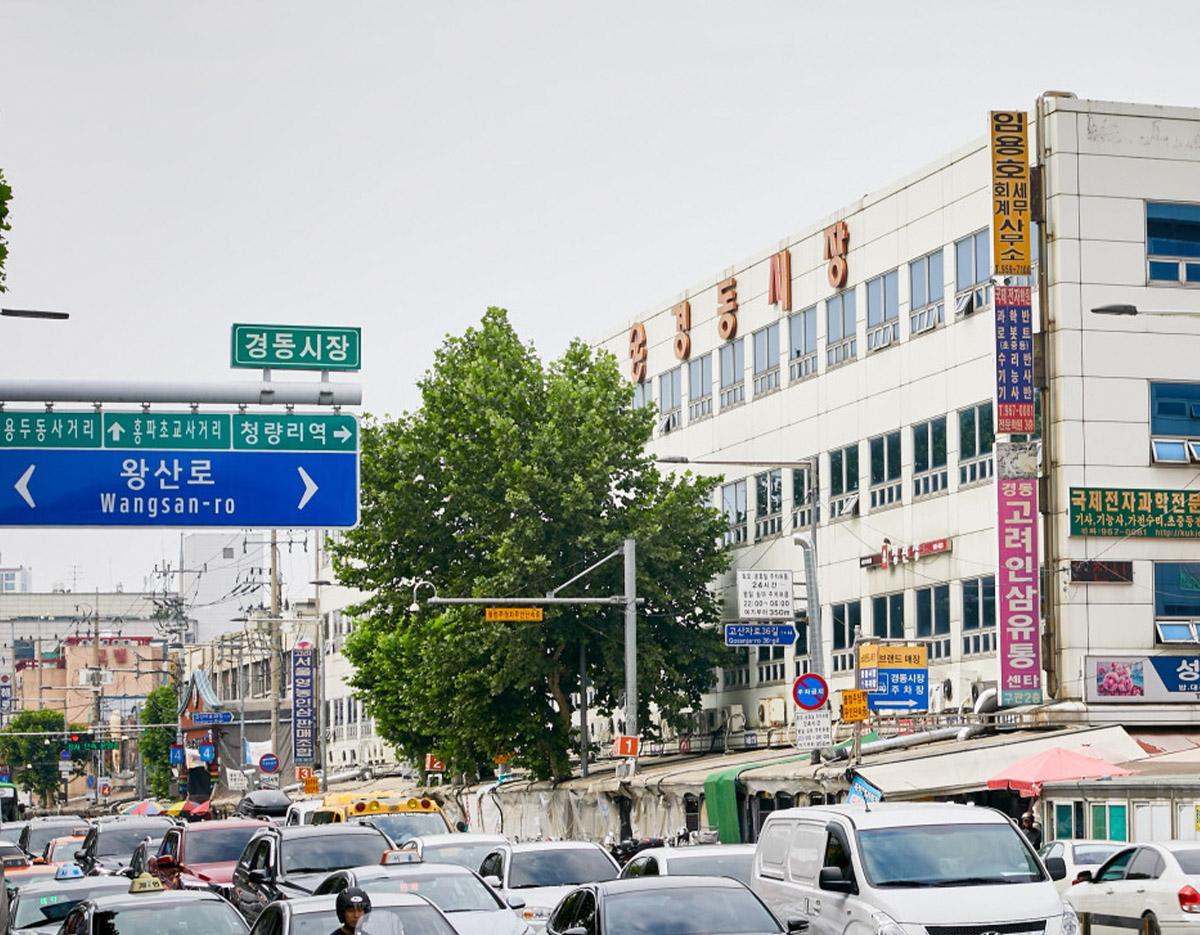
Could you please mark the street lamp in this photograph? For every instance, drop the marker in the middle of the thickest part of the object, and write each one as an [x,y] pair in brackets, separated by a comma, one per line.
[33,313]
[1130,310]
[415,606]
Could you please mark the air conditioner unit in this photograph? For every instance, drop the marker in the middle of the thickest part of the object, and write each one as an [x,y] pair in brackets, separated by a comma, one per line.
[937,699]
[778,712]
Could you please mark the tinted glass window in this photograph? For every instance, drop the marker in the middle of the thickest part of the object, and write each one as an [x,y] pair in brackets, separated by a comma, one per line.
[737,866]
[1189,861]
[211,918]
[560,867]
[689,911]
[216,846]
[40,906]
[463,855]
[1092,855]
[1115,868]
[1146,865]
[116,841]
[947,855]
[36,837]
[332,852]
[450,893]
[400,826]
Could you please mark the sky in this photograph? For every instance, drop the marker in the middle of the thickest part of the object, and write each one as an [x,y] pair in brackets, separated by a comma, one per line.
[401,166]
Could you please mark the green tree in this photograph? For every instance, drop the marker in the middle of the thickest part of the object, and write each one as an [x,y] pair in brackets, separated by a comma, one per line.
[5,197]
[511,478]
[34,760]
[154,743]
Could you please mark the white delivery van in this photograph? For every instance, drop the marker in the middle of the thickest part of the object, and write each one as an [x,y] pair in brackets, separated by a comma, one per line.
[907,869]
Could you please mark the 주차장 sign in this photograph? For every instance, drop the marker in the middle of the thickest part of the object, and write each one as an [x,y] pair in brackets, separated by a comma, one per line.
[296,347]
[764,594]
[1018,595]
[1014,361]
[1011,201]
[1142,679]
[1121,512]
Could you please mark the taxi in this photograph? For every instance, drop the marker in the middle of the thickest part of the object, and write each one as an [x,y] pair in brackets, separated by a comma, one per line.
[60,851]
[40,907]
[147,907]
[398,818]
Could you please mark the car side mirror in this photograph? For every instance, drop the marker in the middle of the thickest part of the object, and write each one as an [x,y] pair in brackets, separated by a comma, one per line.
[516,902]
[1057,868]
[127,872]
[1084,876]
[40,861]
[831,879]
[81,855]
[493,881]
[797,925]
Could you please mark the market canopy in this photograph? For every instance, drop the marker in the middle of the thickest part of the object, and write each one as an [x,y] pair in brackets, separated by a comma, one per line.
[1055,765]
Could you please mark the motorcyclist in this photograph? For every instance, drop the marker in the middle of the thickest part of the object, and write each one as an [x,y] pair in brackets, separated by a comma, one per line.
[352,905]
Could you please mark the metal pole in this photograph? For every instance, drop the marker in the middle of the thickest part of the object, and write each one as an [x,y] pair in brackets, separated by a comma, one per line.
[631,697]
[319,699]
[117,391]
[274,639]
[583,710]
[816,633]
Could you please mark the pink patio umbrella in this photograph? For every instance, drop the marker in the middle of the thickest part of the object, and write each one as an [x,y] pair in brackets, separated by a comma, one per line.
[1055,765]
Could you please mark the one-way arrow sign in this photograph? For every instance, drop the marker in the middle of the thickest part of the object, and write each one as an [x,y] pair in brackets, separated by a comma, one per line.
[116,430]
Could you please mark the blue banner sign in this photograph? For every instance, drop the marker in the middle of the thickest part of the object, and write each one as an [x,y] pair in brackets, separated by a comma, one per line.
[304,708]
[759,634]
[902,690]
[863,791]
[212,717]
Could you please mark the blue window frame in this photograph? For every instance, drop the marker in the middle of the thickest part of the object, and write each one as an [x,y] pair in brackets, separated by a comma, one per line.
[1172,240]
[1175,409]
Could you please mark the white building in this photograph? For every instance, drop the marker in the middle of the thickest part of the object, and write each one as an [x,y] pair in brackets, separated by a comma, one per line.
[18,579]
[223,572]
[889,382]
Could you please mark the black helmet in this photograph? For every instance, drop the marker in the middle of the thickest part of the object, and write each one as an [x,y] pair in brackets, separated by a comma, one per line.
[352,898]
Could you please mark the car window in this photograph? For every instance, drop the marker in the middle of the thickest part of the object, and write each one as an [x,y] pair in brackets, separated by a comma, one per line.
[1146,865]
[773,845]
[587,913]
[837,856]
[737,865]
[492,866]
[335,884]
[329,852]
[75,923]
[262,857]
[564,915]
[806,853]
[1090,855]
[450,892]
[151,918]
[651,868]
[560,866]
[634,867]
[714,910]
[1047,851]
[1115,868]
[465,855]
[170,844]
[1189,860]
[217,845]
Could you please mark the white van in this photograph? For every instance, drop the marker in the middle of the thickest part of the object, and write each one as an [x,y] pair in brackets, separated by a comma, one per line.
[907,869]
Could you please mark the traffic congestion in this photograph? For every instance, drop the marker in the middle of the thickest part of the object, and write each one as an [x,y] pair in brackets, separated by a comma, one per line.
[396,863]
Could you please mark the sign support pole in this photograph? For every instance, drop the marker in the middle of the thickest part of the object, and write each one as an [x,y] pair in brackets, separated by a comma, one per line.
[631,693]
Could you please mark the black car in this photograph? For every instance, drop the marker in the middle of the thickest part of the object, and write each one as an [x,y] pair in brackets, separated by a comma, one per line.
[163,913]
[109,845]
[263,803]
[666,905]
[40,907]
[39,832]
[284,863]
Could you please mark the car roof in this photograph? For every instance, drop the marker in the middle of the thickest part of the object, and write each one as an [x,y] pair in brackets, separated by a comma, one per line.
[54,820]
[199,827]
[307,904]
[530,846]
[613,887]
[148,821]
[1173,846]
[696,850]
[457,837]
[377,871]
[128,900]
[896,814]
[1090,842]
[315,831]
[49,884]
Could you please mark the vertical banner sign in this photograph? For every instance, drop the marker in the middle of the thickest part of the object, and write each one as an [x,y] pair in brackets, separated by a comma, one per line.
[304,710]
[1014,361]
[1018,595]
[1009,133]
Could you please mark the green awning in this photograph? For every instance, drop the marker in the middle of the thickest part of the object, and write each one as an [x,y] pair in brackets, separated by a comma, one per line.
[721,801]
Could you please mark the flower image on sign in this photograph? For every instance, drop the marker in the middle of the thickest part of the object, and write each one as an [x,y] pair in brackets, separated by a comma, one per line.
[1122,512]
[1017,593]
[764,595]
[1142,679]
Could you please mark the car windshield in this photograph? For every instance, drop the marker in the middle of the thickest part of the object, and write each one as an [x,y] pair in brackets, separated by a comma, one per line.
[116,841]
[216,845]
[37,836]
[947,855]
[40,908]
[1092,855]
[1189,861]
[458,892]
[64,849]
[385,920]
[400,826]
[153,918]
[737,866]
[560,867]
[329,852]
[689,910]
[464,855]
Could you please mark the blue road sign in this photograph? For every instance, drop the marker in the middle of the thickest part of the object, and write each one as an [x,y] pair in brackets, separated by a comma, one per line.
[268,763]
[212,717]
[759,634]
[902,690]
[810,691]
[208,753]
[177,754]
[178,488]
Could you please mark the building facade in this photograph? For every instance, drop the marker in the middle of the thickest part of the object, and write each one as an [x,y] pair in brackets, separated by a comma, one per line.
[865,347]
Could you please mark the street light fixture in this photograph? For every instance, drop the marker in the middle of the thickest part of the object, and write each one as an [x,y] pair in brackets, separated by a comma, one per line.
[33,313]
[1120,308]
[415,606]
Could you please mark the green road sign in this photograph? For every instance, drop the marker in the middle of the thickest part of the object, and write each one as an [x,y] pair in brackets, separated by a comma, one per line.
[167,430]
[296,347]
[295,433]
[49,429]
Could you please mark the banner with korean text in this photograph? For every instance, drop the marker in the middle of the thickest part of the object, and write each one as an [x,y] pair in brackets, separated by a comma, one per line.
[1008,131]
[1018,596]
[304,708]
[1014,361]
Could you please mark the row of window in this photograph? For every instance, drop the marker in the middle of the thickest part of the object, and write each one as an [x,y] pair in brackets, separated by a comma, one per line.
[926,311]
[1173,243]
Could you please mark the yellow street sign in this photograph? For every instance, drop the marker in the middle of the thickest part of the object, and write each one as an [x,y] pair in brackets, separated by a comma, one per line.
[883,656]
[514,614]
[854,705]
[312,785]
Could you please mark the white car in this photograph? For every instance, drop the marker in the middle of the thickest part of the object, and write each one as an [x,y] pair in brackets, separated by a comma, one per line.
[301,813]
[702,860]
[1079,856]
[543,873]
[1146,887]
[465,848]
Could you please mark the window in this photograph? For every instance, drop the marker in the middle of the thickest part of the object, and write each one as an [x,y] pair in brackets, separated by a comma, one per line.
[643,394]
[1177,603]
[843,481]
[1067,820]
[1175,423]
[771,667]
[733,373]
[1146,864]
[927,283]
[883,310]
[847,620]
[733,503]
[929,457]
[768,504]
[887,616]
[766,359]
[885,470]
[972,273]
[670,400]
[1173,243]
[802,499]
[802,344]
[975,438]
[979,615]
[933,619]
[1109,824]
[841,336]
[700,385]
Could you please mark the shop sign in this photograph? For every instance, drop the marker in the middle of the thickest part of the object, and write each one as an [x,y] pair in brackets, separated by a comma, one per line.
[727,308]
[683,329]
[1120,513]
[764,595]
[1101,571]
[1142,679]
[1018,597]
[638,351]
[837,246]
[1009,132]
[779,286]
[304,707]
[863,791]
[892,555]
[1014,361]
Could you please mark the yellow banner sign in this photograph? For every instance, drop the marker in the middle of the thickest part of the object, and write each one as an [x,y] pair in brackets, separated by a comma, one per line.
[1011,197]
[879,656]
[854,705]
[514,614]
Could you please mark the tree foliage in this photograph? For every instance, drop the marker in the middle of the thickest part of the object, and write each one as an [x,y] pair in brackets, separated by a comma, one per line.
[34,760]
[5,197]
[511,478]
[154,743]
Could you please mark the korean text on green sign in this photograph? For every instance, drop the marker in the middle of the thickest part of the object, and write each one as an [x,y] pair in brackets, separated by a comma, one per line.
[1118,512]
[296,347]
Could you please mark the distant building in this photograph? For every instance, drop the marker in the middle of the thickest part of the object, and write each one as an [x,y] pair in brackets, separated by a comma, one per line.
[18,579]
[222,573]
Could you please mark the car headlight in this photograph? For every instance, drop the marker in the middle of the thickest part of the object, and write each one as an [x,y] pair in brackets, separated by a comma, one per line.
[886,925]
[1070,922]
[535,914]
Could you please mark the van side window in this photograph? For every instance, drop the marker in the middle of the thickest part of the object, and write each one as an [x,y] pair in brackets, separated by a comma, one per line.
[807,850]
[836,856]
[773,848]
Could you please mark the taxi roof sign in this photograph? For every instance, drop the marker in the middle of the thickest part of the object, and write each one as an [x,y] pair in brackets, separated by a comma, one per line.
[145,883]
[397,857]
[69,871]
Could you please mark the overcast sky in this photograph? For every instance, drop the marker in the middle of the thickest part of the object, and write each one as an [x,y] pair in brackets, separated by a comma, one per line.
[401,166]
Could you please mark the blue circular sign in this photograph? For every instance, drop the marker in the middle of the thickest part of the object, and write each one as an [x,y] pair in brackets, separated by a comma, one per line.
[810,691]
[269,763]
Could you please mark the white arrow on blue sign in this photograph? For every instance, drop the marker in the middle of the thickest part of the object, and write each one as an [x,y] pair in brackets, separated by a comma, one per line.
[212,717]
[900,690]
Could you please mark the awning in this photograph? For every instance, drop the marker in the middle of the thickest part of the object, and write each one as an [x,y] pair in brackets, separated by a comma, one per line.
[1027,774]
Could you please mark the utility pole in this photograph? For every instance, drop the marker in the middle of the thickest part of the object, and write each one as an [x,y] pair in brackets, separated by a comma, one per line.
[274,643]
